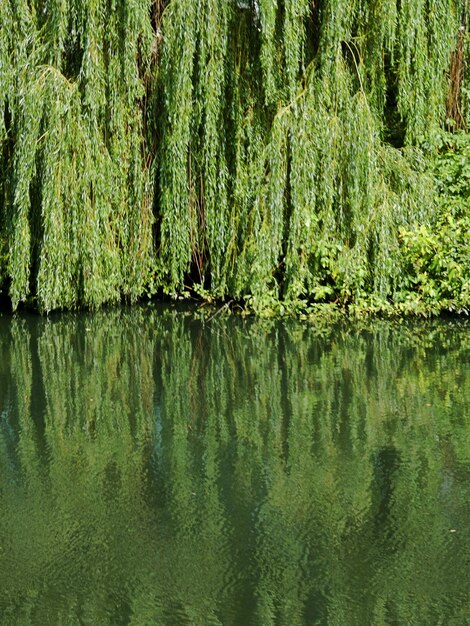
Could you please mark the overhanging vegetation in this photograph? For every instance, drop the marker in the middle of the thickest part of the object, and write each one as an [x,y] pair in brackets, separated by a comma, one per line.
[265,151]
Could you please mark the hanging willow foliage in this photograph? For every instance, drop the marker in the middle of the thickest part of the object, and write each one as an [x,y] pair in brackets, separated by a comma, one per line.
[76,202]
[259,148]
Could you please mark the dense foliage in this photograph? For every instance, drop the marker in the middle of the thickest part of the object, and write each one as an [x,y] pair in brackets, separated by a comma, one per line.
[258,150]
[438,255]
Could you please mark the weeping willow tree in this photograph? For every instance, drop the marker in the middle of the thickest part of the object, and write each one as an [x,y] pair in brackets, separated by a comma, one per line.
[264,149]
[76,208]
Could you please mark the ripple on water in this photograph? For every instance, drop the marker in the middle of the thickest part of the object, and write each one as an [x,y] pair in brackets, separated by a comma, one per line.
[249,476]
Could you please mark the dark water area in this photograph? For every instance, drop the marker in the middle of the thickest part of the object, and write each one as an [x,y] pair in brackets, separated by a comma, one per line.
[159,468]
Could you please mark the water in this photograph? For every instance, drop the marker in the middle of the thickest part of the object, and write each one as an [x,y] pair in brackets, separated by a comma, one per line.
[156,468]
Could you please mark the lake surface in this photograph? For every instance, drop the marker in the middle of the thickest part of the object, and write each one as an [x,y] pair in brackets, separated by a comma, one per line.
[156,468]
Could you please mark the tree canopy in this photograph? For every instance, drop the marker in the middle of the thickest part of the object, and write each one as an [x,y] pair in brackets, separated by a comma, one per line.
[266,149]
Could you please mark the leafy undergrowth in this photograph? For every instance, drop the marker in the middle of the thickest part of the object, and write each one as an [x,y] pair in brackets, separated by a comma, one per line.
[438,255]
[436,258]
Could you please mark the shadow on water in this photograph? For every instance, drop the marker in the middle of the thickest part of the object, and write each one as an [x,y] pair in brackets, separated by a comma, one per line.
[159,469]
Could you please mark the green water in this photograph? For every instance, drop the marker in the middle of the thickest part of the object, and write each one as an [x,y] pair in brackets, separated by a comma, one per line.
[156,468]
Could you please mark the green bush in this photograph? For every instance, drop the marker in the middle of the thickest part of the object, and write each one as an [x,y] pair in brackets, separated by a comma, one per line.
[438,255]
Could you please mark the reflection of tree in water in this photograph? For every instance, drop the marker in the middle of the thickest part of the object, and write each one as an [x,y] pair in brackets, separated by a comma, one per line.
[230,473]
[386,465]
